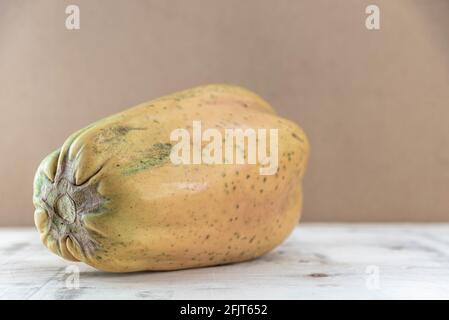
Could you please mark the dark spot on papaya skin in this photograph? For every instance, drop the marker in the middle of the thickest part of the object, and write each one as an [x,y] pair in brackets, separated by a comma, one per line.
[123,130]
[294,135]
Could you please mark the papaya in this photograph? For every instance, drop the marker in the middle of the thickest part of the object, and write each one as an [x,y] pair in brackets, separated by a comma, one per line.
[117,197]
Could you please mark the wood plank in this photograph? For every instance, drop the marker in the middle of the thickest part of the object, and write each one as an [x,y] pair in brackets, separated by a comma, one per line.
[318,261]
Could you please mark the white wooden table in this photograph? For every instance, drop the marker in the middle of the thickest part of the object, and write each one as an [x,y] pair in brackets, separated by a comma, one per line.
[318,261]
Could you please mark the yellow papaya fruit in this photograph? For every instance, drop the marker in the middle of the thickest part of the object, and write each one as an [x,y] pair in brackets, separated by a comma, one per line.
[117,197]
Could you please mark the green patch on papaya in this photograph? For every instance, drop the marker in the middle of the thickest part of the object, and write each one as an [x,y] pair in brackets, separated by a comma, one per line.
[102,207]
[110,136]
[38,183]
[155,156]
[114,134]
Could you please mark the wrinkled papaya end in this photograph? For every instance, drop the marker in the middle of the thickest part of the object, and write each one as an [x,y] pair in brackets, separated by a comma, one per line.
[61,206]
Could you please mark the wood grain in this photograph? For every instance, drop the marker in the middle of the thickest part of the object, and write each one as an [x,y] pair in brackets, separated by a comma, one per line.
[318,261]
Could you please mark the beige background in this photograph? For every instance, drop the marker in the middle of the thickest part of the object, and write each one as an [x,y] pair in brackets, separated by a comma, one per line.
[375,104]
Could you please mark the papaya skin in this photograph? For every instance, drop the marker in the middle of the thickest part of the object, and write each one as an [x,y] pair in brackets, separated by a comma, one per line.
[111,198]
